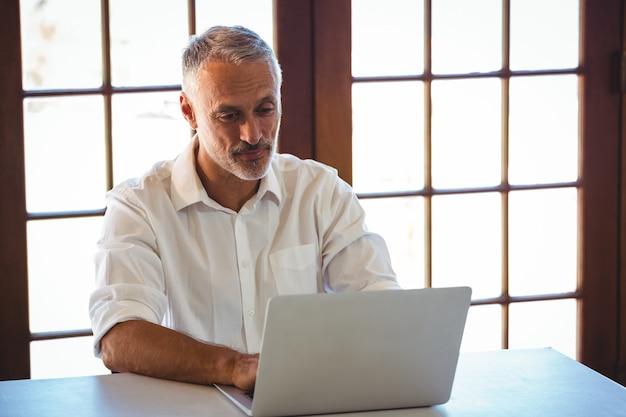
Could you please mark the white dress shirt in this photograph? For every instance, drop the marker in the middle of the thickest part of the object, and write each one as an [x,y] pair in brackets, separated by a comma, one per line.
[171,255]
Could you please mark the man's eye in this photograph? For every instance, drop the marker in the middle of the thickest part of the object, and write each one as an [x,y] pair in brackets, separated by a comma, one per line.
[227,117]
[266,111]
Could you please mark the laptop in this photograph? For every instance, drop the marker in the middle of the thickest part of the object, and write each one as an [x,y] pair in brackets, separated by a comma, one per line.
[356,351]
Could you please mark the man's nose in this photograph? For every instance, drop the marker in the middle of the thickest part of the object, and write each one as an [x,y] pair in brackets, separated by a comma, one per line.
[249,131]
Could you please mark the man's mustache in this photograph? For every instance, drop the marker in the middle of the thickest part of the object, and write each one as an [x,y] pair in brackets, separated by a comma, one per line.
[246,147]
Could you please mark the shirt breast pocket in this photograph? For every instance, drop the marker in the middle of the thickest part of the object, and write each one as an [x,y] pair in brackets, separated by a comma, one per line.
[295,269]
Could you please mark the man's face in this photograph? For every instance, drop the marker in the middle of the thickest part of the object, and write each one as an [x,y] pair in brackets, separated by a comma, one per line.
[236,113]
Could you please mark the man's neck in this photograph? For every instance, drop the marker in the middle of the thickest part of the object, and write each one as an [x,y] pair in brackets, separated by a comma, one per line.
[231,192]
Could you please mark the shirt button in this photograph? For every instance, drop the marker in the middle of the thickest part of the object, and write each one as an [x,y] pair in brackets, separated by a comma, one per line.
[245,264]
[251,312]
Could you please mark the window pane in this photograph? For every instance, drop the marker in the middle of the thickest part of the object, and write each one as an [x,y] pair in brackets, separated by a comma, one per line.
[400,221]
[466,133]
[467,242]
[147,51]
[543,241]
[466,36]
[60,272]
[483,329]
[392,139]
[373,27]
[60,50]
[544,34]
[64,358]
[147,128]
[64,153]
[257,15]
[543,129]
[544,324]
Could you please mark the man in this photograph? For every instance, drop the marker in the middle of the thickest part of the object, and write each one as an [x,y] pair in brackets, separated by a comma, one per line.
[191,252]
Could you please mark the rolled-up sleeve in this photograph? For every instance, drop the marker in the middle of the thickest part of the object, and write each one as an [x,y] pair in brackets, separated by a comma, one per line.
[129,277]
[355,259]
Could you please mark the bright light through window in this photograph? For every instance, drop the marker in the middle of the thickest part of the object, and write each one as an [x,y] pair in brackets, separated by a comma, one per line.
[451,145]
[65,144]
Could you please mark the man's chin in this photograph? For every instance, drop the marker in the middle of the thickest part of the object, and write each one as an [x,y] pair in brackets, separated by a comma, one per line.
[256,169]
[253,171]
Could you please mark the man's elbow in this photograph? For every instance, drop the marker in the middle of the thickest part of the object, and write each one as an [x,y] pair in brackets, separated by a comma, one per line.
[112,346]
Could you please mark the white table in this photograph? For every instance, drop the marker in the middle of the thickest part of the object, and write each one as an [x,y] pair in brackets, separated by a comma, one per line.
[536,382]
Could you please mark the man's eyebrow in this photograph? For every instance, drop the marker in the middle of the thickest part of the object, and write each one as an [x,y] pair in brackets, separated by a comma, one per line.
[270,97]
[227,108]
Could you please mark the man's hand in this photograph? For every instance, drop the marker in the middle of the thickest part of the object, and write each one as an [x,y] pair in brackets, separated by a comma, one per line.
[244,372]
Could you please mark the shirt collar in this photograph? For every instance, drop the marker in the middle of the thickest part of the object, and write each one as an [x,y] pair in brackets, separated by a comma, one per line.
[187,189]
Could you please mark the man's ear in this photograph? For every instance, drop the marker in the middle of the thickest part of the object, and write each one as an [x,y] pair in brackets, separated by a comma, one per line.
[186,108]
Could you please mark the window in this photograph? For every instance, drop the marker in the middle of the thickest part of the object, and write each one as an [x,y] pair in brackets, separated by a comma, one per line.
[471,118]
[326,40]
[314,47]
[90,123]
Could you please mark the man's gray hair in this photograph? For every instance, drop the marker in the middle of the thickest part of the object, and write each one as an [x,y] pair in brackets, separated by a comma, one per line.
[234,44]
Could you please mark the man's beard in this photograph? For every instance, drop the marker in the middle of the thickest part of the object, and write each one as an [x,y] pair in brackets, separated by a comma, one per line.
[254,169]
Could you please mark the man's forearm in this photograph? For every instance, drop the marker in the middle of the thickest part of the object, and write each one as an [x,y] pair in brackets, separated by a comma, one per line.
[149,349]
